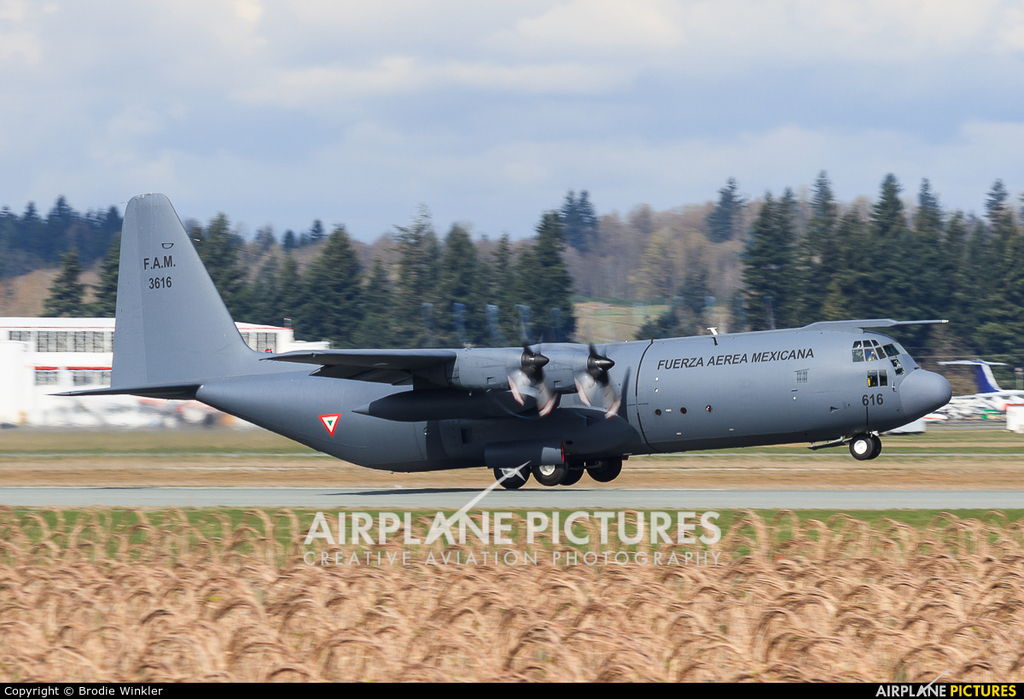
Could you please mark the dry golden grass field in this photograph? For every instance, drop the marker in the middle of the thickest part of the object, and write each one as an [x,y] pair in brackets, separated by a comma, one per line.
[168,596]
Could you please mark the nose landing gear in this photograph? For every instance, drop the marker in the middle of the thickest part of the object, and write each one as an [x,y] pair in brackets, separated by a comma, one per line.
[864,447]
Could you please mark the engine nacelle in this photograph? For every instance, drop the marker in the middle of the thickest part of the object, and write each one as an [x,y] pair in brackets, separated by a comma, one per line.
[484,368]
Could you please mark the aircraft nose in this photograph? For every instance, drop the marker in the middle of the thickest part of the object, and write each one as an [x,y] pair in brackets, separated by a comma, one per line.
[923,392]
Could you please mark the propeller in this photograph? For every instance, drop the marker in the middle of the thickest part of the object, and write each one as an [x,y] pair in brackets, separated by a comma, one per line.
[593,384]
[529,381]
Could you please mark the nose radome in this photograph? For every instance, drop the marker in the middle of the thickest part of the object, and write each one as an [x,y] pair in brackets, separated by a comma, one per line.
[923,392]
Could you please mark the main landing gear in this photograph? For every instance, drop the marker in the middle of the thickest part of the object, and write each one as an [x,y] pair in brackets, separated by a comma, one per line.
[550,474]
[865,446]
[605,470]
[516,480]
[602,471]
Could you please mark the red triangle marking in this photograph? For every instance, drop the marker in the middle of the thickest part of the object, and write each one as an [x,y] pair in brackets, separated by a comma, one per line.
[330,422]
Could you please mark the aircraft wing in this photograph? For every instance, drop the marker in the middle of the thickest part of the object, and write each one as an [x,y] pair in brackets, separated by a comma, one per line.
[396,366]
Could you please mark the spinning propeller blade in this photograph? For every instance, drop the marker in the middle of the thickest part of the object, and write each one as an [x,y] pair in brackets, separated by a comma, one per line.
[593,385]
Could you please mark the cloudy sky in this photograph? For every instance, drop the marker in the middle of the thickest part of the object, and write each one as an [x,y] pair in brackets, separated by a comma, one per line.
[488,112]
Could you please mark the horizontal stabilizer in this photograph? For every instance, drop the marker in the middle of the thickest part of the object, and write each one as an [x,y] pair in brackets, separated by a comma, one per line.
[974,362]
[177,391]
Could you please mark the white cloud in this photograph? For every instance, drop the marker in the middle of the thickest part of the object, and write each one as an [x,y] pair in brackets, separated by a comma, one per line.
[249,10]
[13,10]
[281,111]
[317,86]
[601,26]
[23,45]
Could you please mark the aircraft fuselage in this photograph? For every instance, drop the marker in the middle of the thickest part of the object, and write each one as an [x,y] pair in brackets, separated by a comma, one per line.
[681,394]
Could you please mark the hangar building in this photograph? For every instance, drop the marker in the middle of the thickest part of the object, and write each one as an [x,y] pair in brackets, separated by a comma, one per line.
[42,356]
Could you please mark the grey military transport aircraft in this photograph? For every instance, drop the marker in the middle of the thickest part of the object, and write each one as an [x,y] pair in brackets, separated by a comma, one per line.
[562,408]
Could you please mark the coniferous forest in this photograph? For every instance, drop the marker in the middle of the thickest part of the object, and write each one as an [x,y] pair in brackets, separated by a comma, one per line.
[780,259]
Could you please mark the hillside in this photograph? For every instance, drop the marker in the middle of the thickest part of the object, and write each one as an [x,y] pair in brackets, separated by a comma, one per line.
[25,295]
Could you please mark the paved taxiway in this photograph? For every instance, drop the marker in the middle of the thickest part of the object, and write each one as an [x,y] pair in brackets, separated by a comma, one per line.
[560,498]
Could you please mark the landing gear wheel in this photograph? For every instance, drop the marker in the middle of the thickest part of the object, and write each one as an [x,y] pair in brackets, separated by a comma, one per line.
[877,444]
[550,474]
[572,477]
[516,481]
[605,470]
[863,447]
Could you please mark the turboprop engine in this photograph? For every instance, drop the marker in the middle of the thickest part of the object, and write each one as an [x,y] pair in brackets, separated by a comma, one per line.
[541,375]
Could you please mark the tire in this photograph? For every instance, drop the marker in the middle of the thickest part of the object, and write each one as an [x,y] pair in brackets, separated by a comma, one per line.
[605,470]
[550,474]
[862,447]
[877,442]
[572,477]
[515,482]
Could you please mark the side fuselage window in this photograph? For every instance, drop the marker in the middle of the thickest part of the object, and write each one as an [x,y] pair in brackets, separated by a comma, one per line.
[878,378]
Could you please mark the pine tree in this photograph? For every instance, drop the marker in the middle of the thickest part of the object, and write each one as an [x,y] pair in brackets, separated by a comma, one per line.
[376,328]
[58,223]
[1003,324]
[265,240]
[333,307]
[889,292]
[504,291]
[12,258]
[927,262]
[104,303]
[66,292]
[579,220]
[32,233]
[811,267]
[291,296]
[266,294]
[977,274]
[768,265]
[999,315]
[1004,230]
[694,291]
[460,282]
[545,280]
[722,221]
[417,281]
[843,269]
[952,273]
[219,248]
[316,231]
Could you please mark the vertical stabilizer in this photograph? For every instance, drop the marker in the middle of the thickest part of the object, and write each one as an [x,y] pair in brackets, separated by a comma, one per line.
[984,378]
[172,326]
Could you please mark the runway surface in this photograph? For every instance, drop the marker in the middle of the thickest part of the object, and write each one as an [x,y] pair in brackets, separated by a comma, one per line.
[549,498]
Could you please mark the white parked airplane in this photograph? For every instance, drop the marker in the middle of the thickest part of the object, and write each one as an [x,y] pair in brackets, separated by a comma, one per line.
[989,396]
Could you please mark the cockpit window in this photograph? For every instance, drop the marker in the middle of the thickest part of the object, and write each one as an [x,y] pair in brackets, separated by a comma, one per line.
[890,350]
[867,351]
